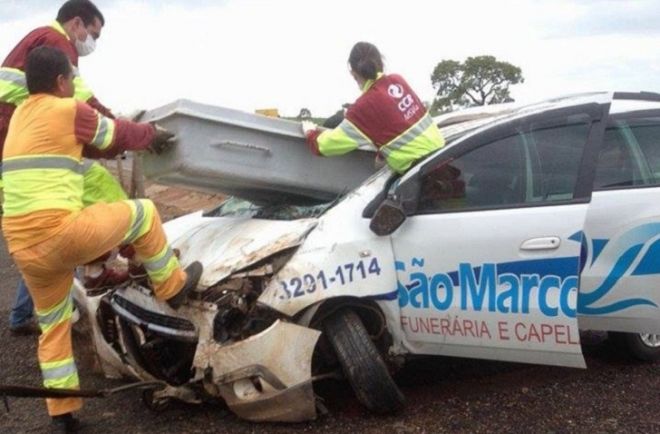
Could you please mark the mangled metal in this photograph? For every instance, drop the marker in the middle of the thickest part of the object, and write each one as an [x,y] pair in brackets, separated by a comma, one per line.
[266,376]
[225,245]
[222,340]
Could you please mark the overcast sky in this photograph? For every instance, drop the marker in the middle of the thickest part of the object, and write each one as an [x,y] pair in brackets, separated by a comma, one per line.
[289,54]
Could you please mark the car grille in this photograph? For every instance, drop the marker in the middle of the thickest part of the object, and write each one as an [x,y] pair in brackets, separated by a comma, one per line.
[156,322]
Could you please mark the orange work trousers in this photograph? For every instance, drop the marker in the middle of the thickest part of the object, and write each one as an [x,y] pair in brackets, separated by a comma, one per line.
[48,270]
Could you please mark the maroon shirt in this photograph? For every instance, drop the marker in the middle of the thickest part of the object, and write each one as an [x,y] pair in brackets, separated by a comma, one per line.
[40,37]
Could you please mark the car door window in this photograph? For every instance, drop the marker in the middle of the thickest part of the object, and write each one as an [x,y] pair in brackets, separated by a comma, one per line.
[616,167]
[630,155]
[646,133]
[559,152]
[534,167]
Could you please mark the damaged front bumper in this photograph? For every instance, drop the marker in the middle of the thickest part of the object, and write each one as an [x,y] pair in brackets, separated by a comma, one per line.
[264,377]
[268,376]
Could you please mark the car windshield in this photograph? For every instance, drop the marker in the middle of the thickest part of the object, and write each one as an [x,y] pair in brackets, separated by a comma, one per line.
[237,207]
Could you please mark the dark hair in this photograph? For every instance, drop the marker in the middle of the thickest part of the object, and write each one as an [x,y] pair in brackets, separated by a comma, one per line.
[84,9]
[43,66]
[365,59]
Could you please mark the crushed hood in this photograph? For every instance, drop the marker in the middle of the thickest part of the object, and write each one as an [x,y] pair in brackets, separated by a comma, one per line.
[226,245]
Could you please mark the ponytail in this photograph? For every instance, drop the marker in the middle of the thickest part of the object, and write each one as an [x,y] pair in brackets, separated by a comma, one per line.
[365,59]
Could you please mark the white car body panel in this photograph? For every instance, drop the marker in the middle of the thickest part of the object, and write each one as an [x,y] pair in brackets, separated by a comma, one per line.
[341,240]
[620,283]
[467,285]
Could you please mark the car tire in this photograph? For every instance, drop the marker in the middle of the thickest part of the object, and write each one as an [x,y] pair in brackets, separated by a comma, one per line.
[641,346]
[361,363]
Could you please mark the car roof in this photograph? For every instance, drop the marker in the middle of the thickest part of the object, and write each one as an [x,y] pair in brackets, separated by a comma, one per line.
[457,124]
[631,102]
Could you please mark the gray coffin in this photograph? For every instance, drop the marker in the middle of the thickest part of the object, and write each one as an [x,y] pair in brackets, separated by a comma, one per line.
[255,157]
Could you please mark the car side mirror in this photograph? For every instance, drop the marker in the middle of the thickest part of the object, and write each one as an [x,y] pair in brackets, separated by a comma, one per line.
[388,218]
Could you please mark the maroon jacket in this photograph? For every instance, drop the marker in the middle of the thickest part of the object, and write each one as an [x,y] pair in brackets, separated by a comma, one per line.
[381,114]
[43,36]
[385,111]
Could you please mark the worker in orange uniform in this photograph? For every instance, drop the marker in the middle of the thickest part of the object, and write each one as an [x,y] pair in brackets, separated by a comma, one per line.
[388,117]
[75,31]
[49,233]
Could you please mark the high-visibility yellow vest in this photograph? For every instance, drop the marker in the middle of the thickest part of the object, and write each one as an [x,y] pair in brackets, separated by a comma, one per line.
[100,186]
[42,166]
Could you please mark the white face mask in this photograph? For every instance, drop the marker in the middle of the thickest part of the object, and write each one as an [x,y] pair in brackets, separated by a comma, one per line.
[85,47]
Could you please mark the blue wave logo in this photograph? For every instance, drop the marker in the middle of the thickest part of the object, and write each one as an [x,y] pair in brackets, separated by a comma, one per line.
[634,253]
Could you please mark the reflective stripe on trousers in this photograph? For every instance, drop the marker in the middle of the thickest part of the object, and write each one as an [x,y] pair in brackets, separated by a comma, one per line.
[61,374]
[56,315]
[142,215]
[161,266]
[58,367]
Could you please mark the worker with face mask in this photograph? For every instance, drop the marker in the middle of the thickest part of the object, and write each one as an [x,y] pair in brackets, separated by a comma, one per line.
[75,31]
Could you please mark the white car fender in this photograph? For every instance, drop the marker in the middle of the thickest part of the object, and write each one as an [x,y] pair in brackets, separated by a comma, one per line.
[340,257]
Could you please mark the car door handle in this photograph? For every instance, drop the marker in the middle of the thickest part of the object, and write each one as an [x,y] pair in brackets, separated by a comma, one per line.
[542,243]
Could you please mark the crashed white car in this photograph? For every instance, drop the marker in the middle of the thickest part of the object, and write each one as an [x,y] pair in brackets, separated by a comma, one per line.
[528,227]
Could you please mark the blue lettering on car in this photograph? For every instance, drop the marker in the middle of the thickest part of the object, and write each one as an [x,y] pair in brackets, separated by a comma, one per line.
[487,288]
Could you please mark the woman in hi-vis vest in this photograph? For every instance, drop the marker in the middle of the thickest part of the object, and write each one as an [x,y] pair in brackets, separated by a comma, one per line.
[388,117]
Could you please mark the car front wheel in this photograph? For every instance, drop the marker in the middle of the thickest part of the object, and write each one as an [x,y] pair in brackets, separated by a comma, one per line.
[642,346]
[361,362]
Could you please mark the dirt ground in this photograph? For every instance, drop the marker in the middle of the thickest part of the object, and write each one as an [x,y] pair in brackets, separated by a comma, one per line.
[616,394]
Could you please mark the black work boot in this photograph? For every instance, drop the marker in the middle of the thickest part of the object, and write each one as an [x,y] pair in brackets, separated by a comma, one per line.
[194,272]
[28,328]
[65,423]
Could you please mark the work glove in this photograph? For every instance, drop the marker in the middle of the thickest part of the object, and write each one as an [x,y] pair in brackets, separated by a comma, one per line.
[308,127]
[163,140]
